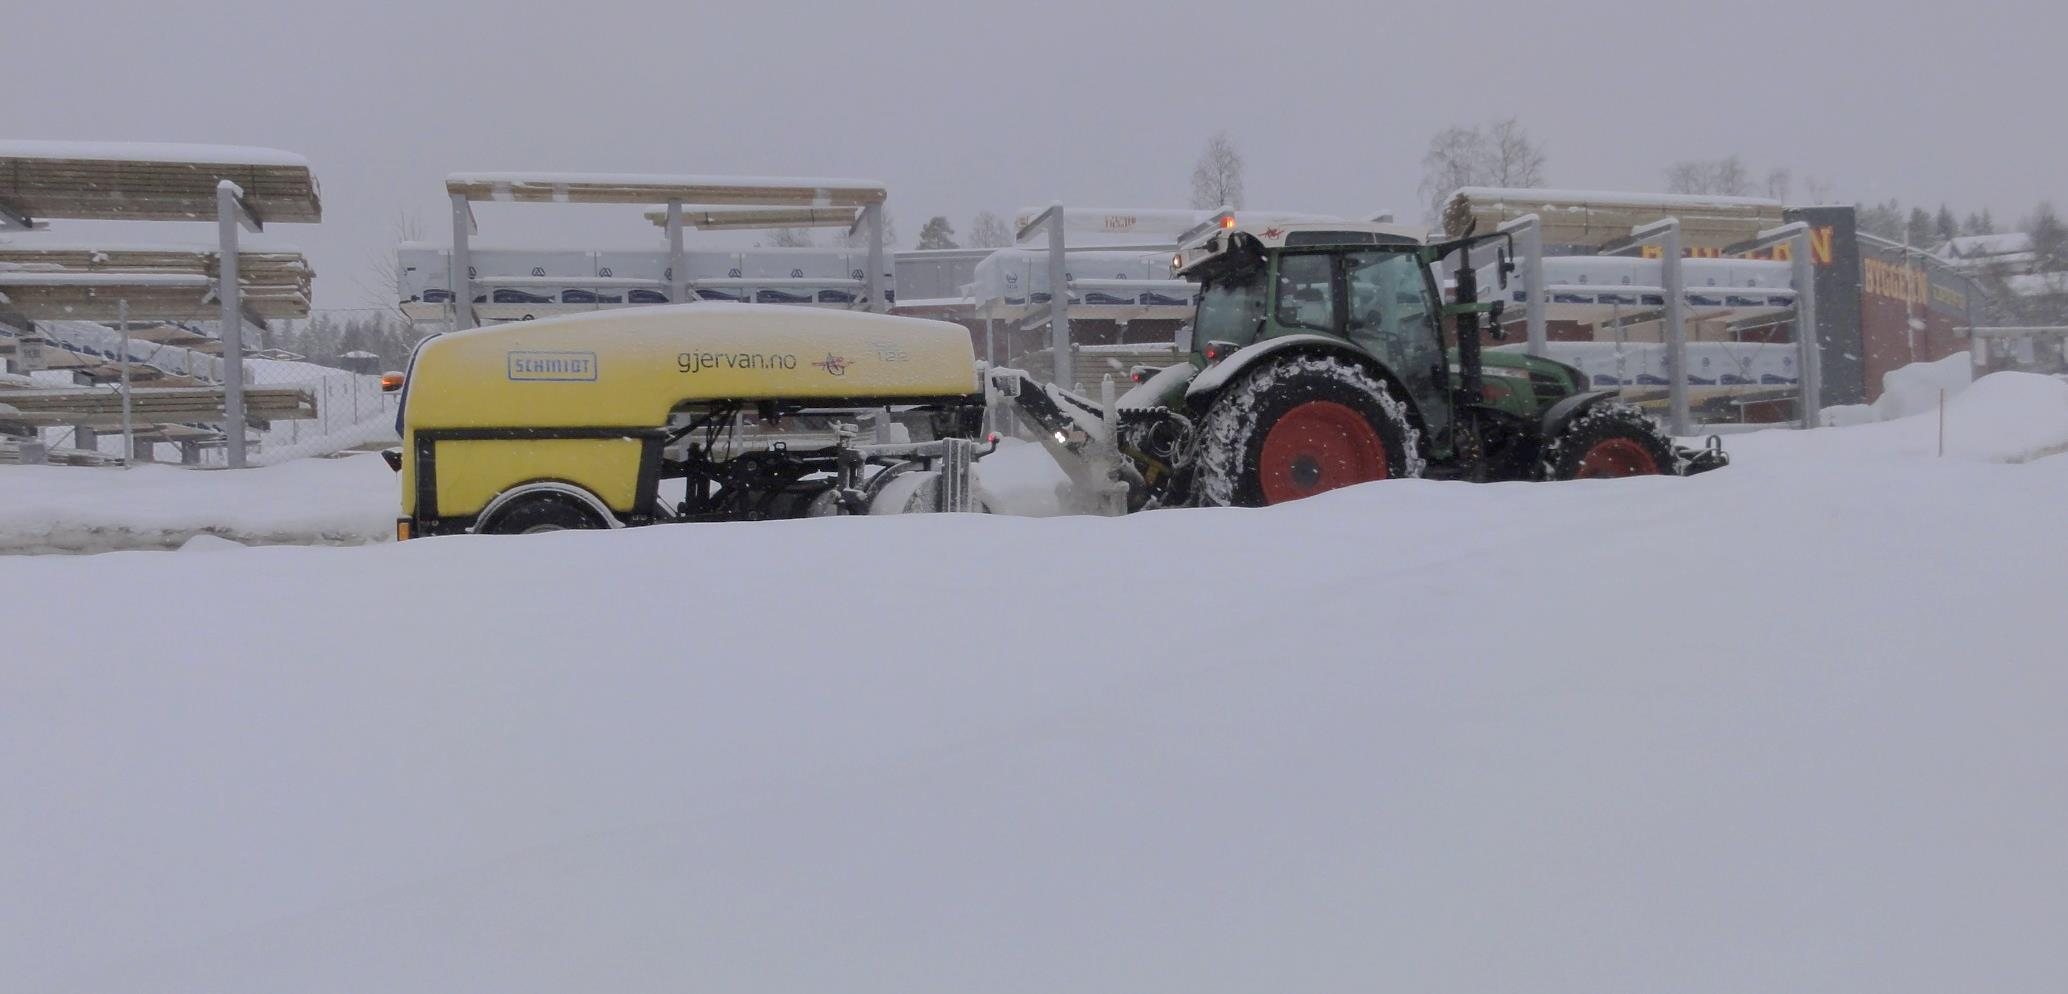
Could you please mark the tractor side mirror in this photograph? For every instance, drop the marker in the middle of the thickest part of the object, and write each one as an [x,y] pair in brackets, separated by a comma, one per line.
[1507,265]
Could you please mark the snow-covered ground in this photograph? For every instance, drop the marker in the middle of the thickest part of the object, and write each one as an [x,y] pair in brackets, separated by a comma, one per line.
[1791,726]
[349,500]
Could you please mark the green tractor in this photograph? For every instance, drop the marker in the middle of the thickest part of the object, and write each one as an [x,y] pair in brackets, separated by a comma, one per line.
[1324,355]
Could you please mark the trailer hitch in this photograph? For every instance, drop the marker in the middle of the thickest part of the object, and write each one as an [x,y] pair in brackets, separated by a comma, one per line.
[1709,456]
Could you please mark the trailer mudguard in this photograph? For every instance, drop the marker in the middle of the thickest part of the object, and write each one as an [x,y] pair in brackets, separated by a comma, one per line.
[1563,412]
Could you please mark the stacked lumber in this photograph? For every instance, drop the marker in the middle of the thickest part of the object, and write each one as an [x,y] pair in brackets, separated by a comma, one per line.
[274,284]
[1578,217]
[102,408]
[117,189]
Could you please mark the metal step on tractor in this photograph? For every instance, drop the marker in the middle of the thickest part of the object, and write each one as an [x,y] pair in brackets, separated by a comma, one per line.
[1323,355]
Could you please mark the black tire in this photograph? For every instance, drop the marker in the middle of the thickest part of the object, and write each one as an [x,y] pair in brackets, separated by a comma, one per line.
[543,513]
[1338,424]
[1607,441]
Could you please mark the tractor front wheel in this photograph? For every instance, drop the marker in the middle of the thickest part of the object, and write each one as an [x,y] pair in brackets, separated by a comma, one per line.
[1299,426]
[1606,442]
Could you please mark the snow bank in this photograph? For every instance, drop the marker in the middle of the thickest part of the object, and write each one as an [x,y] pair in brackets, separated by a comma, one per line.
[1791,728]
[1915,389]
[1911,389]
[1021,479]
[346,501]
[2004,417]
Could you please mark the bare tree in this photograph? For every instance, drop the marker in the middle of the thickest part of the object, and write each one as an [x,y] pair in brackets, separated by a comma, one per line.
[859,238]
[385,283]
[1513,159]
[1725,177]
[790,238]
[1779,183]
[1502,154]
[988,230]
[1217,177]
[1819,189]
[1456,159]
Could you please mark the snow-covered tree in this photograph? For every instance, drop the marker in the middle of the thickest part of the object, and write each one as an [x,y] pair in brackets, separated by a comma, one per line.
[937,233]
[1884,220]
[1217,176]
[988,230]
[2049,240]
[1944,226]
[1918,231]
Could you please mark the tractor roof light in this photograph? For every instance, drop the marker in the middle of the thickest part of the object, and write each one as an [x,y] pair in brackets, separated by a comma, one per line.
[1227,220]
[391,382]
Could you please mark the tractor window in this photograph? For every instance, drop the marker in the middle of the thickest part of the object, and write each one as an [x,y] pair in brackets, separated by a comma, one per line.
[1230,305]
[1306,292]
[1392,317]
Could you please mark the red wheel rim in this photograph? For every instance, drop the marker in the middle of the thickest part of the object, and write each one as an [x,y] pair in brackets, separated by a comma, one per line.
[1319,446]
[1612,458]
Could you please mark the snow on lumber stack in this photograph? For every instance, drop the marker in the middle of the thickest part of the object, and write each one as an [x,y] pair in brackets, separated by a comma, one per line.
[1592,217]
[645,188]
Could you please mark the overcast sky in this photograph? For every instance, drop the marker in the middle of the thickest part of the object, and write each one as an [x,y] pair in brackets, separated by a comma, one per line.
[968,106]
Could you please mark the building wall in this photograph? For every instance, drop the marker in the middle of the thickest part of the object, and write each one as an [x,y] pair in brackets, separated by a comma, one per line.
[1897,288]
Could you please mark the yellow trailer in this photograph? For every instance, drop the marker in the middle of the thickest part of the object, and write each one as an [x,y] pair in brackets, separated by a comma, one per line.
[760,411]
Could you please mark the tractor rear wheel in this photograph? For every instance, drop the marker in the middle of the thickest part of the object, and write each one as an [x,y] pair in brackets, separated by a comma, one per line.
[1609,441]
[1299,426]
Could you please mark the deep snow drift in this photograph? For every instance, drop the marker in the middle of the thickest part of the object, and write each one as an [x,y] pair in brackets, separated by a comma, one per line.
[1791,726]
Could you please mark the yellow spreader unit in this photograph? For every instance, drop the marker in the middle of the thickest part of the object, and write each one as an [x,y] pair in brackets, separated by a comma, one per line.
[762,411]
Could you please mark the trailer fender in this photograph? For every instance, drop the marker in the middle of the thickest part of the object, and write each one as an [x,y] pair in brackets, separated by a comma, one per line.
[517,493]
[1563,412]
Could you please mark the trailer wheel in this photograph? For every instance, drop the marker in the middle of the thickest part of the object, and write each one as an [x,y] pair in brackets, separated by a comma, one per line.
[1609,441]
[546,512]
[1299,426]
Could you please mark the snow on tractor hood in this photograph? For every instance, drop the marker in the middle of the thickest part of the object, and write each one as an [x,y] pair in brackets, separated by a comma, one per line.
[631,367]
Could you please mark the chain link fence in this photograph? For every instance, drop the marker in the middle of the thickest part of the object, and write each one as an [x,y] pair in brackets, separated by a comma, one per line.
[91,394]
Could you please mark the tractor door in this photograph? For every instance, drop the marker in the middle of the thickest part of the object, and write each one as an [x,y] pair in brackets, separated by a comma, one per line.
[1391,315]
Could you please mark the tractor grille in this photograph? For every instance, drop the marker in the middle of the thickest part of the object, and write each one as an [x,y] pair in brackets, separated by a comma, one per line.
[1548,388]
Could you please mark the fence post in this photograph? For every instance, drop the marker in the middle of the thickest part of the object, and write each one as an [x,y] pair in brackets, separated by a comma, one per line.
[228,291]
[128,430]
